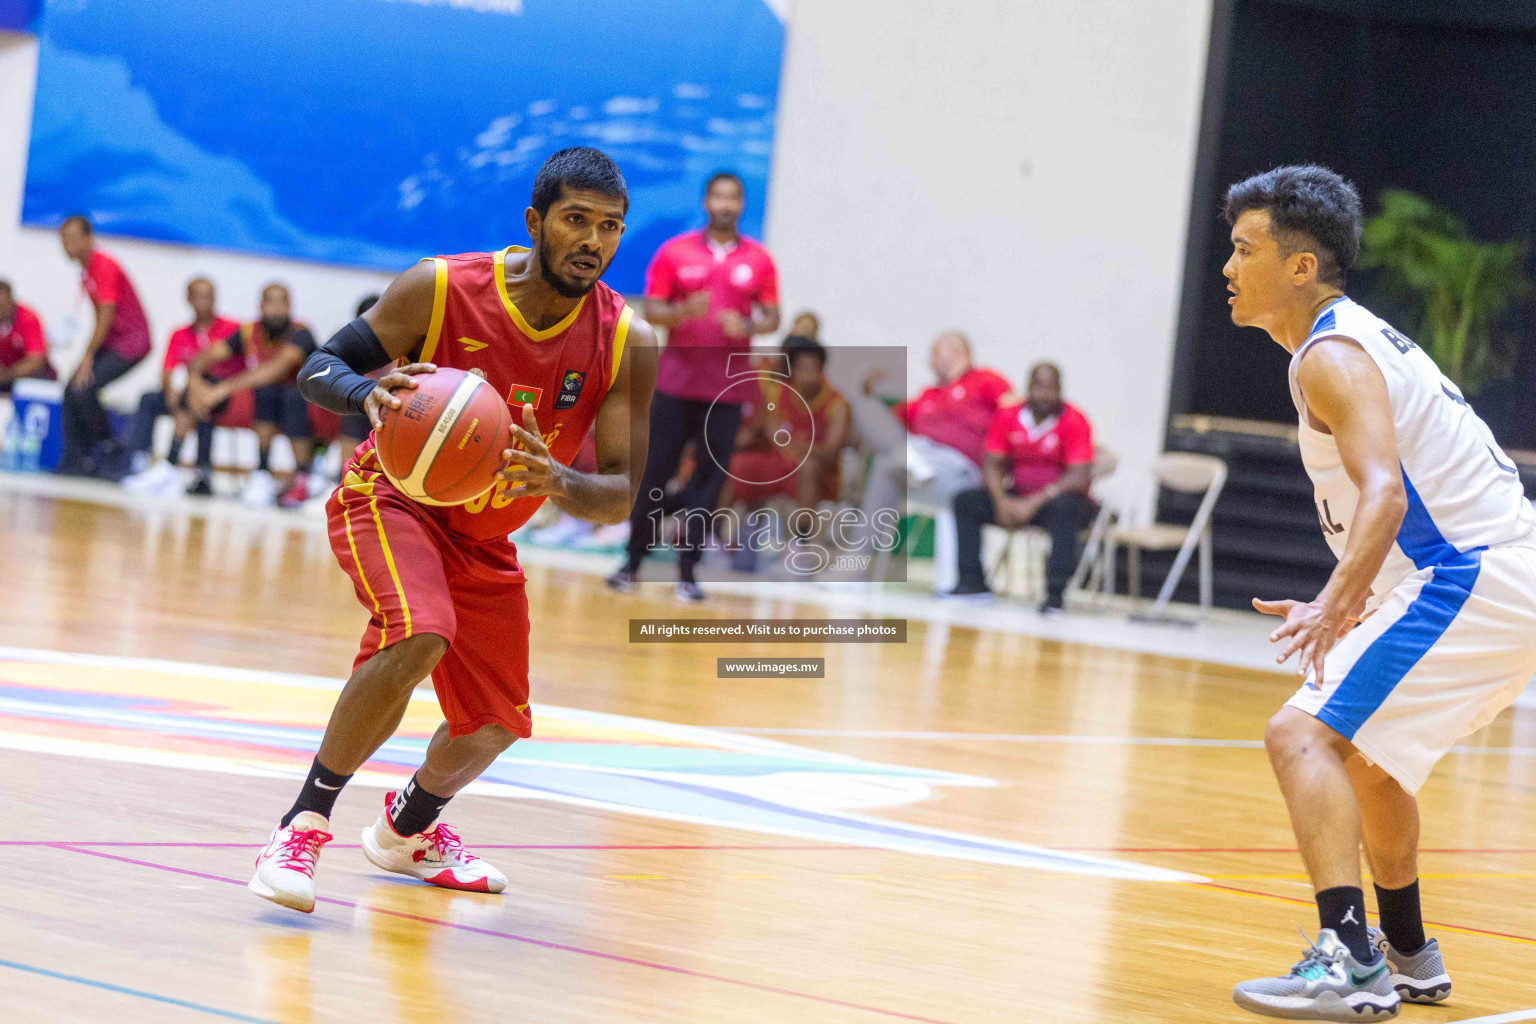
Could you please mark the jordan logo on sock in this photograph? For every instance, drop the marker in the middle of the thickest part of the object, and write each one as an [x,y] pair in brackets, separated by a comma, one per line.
[1349,917]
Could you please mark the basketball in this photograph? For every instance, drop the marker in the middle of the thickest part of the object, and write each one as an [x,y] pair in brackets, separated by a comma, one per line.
[443,445]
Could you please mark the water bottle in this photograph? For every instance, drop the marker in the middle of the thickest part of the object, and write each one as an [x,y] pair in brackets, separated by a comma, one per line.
[10,447]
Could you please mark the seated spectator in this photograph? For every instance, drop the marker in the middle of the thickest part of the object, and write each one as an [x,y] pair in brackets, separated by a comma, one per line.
[930,448]
[23,348]
[805,325]
[273,348]
[792,435]
[119,339]
[1048,447]
[186,342]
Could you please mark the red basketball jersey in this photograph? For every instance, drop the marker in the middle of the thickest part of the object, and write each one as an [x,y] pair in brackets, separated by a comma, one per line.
[564,371]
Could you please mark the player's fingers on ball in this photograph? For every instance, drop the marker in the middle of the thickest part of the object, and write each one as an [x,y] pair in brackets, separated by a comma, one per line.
[418,368]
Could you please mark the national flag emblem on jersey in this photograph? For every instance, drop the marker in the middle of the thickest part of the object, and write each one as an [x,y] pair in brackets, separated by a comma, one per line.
[523,394]
[570,389]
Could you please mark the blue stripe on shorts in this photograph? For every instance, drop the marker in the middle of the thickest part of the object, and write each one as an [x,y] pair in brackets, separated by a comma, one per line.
[1387,660]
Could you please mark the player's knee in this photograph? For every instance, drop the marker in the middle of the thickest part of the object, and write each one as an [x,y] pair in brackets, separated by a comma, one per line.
[492,739]
[418,655]
[1287,737]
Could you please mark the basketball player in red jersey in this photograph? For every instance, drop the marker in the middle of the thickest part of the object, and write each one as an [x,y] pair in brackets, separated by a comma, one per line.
[442,585]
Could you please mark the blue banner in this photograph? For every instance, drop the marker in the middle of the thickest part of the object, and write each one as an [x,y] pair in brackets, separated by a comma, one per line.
[18,15]
[374,132]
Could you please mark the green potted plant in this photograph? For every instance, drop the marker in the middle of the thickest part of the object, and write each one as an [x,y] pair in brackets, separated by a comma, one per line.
[1452,287]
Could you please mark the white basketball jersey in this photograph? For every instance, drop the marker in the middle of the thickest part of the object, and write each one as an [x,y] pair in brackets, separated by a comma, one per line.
[1463,491]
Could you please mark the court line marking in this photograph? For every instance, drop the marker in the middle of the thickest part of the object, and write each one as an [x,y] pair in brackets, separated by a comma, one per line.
[108,986]
[1500,1018]
[1311,903]
[258,844]
[1015,737]
[530,941]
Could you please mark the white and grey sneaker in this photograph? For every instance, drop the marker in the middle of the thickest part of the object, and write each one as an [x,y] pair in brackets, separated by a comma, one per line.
[1328,983]
[1418,977]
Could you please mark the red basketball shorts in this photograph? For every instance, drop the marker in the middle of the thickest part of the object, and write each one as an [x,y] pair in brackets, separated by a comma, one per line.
[759,474]
[413,577]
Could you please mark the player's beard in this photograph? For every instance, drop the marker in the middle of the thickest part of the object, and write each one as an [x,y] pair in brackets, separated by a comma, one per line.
[562,287]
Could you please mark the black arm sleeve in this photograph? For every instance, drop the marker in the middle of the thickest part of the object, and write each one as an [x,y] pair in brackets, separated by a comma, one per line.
[332,377]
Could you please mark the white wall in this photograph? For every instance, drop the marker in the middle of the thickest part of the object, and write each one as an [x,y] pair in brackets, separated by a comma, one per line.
[1016,168]
[324,297]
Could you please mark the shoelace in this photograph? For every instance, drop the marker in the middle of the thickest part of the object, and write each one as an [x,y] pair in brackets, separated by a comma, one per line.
[301,849]
[1313,955]
[445,842]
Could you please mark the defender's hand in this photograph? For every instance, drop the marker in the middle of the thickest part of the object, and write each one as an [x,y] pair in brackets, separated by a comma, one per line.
[1313,628]
[532,469]
[383,395]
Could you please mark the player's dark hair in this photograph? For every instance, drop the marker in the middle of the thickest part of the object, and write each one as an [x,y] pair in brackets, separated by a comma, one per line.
[80,221]
[795,346]
[579,167]
[1311,209]
[366,303]
[724,176]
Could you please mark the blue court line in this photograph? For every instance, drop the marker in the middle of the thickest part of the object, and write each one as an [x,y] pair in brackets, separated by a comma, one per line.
[227,1015]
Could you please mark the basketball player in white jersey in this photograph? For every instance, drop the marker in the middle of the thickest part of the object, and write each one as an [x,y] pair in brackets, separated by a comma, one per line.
[1437,565]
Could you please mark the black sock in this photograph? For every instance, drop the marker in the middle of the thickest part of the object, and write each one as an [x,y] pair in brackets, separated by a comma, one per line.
[1401,920]
[319,793]
[414,809]
[261,458]
[1342,908]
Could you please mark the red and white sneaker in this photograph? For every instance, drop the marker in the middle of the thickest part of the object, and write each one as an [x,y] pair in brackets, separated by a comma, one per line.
[435,856]
[285,869]
[296,494]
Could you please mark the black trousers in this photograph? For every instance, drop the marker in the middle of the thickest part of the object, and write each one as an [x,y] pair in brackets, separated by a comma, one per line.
[151,407]
[675,422]
[1063,516]
[85,422]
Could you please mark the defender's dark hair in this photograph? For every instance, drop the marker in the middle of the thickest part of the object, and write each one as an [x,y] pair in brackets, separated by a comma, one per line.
[80,221]
[579,167]
[1311,209]
[725,176]
[795,345]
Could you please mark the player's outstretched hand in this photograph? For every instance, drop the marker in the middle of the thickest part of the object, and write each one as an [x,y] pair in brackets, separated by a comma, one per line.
[1312,628]
[531,468]
[383,396]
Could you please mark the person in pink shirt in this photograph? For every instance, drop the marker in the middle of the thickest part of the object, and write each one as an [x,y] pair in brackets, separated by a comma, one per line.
[23,347]
[119,340]
[930,448]
[713,290]
[1038,468]
[207,327]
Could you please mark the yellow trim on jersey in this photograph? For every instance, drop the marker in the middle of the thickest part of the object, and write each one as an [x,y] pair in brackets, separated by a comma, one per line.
[439,302]
[352,483]
[389,560]
[515,313]
[620,336]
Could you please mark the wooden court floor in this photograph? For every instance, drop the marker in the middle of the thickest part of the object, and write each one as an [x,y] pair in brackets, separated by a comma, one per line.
[971,827]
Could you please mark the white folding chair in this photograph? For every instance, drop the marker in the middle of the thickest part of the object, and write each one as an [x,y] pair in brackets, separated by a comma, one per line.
[1185,473]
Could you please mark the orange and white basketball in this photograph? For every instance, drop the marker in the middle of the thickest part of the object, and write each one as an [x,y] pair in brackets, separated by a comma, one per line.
[443,445]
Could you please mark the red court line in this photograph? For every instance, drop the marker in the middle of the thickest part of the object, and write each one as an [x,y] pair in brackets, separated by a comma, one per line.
[258,844]
[1311,903]
[527,940]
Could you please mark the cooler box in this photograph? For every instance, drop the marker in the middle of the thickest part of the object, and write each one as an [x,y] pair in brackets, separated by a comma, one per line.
[37,424]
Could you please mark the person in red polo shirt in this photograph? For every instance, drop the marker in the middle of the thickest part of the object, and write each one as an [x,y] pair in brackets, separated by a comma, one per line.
[713,290]
[930,448]
[119,340]
[1038,467]
[23,348]
[207,328]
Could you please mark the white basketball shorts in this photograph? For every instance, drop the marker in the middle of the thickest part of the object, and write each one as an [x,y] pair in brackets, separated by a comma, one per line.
[1450,647]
